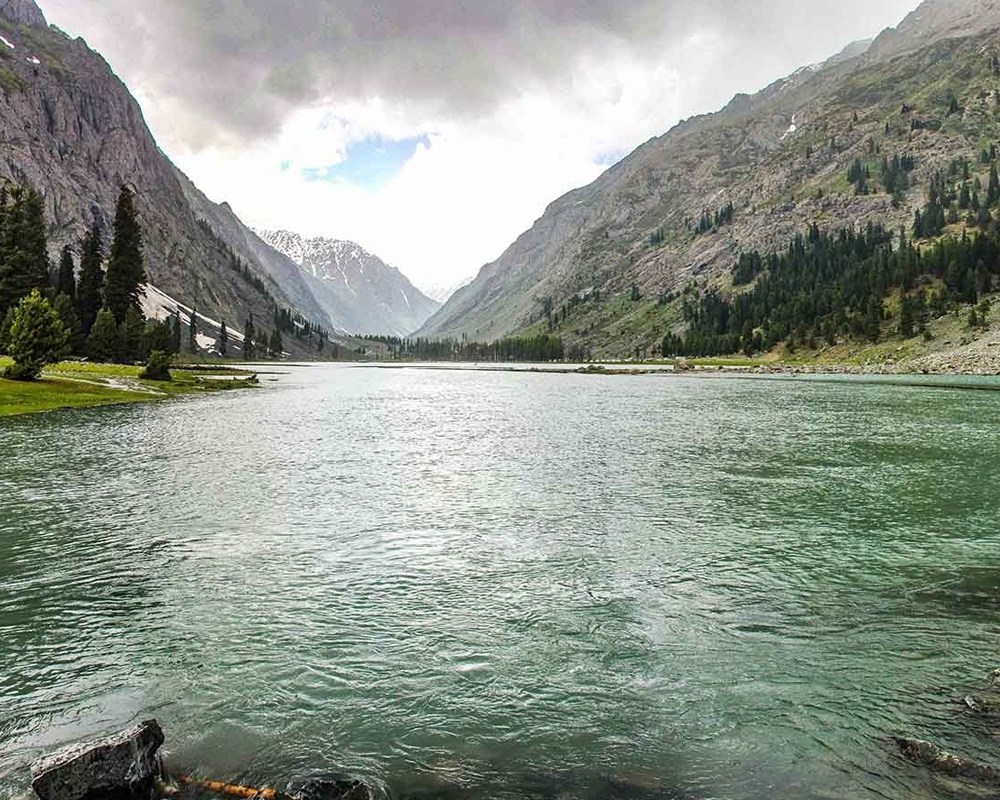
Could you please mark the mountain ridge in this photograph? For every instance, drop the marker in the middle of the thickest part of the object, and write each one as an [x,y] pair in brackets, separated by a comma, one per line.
[751,153]
[357,288]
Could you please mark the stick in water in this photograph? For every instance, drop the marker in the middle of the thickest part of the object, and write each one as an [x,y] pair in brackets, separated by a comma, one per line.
[230,790]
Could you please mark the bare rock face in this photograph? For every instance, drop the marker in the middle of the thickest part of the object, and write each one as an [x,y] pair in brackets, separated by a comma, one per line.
[935,20]
[120,767]
[22,12]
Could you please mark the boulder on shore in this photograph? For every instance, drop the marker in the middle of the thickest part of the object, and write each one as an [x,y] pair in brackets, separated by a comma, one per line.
[119,767]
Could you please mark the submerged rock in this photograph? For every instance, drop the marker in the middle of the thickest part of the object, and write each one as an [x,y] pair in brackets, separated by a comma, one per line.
[932,757]
[119,767]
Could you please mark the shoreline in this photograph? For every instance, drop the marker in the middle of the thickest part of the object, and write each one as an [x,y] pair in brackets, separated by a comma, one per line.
[692,370]
[71,385]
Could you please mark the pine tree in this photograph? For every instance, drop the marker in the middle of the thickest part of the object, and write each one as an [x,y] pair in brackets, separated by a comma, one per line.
[158,337]
[248,334]
[90,285]
[37,337]
[906,318]
[873,317]
[193,332]
[175,334]
[66,279]
[132,334]
[25,264]
[123,282]
[223,340]
[964,198]
[5,326]
[66,309]
[276,347]
[103,342]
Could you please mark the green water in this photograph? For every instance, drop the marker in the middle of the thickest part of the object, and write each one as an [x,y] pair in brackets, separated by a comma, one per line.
[467,584]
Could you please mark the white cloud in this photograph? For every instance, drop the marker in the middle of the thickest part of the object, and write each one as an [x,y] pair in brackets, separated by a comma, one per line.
[458,203]
[534,114]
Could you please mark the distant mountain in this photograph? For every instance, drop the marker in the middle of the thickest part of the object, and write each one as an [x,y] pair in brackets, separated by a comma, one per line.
[779,156]
[357,290]
[442,291]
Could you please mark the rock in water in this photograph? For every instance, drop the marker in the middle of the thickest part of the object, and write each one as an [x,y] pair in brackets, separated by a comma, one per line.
[120,767]
[938,760]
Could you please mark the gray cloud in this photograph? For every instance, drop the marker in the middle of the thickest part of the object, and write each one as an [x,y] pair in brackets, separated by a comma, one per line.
[239,67]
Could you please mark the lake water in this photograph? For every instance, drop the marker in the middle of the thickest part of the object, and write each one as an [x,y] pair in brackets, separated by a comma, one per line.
[468,584]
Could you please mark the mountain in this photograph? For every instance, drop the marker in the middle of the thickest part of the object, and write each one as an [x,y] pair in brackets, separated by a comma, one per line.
[357,290]
[779,156]
[442,291]
[71,130]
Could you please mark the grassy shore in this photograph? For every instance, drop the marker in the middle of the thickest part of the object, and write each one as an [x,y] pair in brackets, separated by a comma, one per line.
[81,385]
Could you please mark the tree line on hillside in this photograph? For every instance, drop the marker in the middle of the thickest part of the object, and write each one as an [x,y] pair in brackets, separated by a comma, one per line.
[540,348]
[828,285]
[96,310]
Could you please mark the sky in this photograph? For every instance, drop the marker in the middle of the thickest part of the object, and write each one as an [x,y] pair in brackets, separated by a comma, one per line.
[434,132]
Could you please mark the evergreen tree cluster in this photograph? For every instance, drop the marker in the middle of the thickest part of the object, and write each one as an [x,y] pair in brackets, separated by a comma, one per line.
[858,175]
[100,310]
[947,200]
[557,316]
[827,286]
[24,257]
[896,175]
[710,222]
[540,348]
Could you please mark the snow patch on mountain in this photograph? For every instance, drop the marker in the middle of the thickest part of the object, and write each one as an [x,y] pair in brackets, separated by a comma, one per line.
[159,305]
[442,291]
[361,292]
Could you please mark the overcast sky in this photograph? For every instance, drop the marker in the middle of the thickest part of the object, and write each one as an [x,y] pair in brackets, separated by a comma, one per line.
[434,132]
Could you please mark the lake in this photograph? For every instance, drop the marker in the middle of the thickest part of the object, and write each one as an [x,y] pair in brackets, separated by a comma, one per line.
[482,584]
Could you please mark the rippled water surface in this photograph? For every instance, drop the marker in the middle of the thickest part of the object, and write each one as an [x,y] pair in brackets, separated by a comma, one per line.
[510,585]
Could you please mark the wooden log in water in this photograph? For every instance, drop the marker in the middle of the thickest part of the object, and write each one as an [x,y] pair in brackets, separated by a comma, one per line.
[230,790]
[936,759]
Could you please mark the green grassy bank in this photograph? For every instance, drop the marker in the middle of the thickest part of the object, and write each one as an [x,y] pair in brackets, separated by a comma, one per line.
[82,385]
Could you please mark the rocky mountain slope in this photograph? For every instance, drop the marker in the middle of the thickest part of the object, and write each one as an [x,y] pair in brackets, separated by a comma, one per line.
[630,241]
[355,288]
[70,129]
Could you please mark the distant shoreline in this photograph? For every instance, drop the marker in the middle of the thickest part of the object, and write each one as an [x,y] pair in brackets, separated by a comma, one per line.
[902,378]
